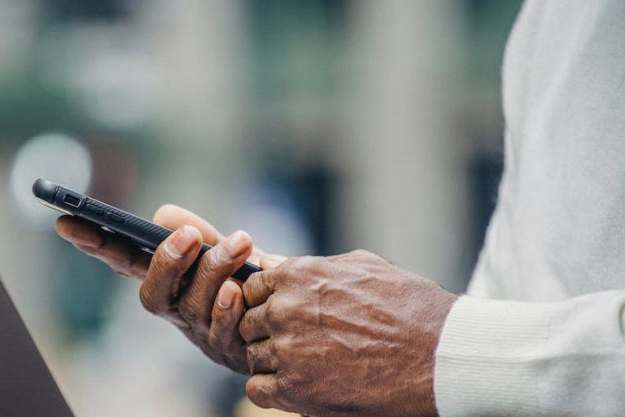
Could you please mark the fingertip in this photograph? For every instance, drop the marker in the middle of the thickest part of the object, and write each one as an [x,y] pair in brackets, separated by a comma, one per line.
[233,286]
[165,213]
[243,235]
[61,224]
[192,232]
[182,242]
[78,232]
[226,314]
[250,387]
[238,244]
[261,389]
[259,287]
[228,295]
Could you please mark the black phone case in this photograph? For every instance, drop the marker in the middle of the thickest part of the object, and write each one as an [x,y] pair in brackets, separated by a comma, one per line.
[141,232]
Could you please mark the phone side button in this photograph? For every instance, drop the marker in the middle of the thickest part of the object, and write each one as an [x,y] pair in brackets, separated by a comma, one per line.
[114,217]
[94,209]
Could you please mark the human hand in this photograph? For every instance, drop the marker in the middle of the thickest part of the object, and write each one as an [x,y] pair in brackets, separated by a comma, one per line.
[350,335]
[211,325]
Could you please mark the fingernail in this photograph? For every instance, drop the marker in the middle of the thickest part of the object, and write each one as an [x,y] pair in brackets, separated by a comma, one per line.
[226,295]
[181,241]
[237,243]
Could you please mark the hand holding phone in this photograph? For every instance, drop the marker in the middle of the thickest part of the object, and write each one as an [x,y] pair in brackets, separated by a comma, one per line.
[210,307]
[144,234]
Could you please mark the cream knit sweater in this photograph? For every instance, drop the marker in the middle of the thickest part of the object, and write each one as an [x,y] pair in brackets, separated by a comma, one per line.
[541,331]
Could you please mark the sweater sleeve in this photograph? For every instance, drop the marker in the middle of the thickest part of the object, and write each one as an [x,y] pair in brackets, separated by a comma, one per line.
[516,359]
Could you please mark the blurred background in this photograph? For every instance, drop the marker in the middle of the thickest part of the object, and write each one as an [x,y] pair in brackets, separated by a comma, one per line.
[318,126]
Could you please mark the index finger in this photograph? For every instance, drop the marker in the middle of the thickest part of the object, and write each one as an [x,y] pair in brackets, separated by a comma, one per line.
[258,287]
[118,253]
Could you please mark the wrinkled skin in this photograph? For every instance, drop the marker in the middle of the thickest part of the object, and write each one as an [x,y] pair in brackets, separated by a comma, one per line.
[340,336]
[350,335]
[209,309]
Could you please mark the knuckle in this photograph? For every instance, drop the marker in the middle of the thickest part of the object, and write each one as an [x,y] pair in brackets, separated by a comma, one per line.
[204,275]
[251,356]
[284,345]
[286,306]
[361,253]
[159,265]
[279,311]
[287,266]
[248,286]
[253,285]
[285,384]
[244,328]
[272,310]
[133,259]
[261,357]
[188,310]
[147,301]
[121,264]
[304,266]
[208,265]
[221,324]
[302,262]
[214,340]
[290,269]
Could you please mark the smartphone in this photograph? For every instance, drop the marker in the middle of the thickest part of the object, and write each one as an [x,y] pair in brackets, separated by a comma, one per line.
[144,234]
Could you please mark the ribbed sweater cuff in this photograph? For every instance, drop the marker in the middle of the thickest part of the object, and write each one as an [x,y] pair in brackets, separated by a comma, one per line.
[488,357]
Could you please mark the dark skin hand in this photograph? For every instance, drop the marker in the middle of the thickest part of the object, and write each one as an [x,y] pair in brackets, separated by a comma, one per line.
[210,308]
[340,336]
[350,335]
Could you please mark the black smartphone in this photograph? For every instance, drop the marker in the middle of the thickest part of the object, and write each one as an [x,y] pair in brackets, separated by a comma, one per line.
[146,235]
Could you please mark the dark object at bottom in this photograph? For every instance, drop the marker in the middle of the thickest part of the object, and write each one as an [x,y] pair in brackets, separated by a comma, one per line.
[27,388]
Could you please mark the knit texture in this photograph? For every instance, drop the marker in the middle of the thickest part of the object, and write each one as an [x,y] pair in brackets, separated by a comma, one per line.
[540,332]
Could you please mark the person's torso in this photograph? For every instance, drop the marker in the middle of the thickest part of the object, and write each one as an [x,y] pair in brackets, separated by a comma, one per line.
[559,227]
